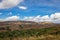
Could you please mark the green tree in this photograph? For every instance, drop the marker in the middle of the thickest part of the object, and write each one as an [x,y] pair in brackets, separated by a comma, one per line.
[21,26]
[8,28]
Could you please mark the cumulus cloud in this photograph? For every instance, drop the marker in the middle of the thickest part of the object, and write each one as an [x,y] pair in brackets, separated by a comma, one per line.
[9,3]
[11,18]
[52,18]
[46,18]
[22,7]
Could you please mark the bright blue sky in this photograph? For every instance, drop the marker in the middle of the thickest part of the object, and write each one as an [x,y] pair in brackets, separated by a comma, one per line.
[33,8]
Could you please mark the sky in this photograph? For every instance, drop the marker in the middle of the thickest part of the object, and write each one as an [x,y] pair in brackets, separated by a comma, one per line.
[30,10]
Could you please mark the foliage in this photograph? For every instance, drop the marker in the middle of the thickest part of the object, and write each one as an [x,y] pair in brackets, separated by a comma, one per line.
[30,32]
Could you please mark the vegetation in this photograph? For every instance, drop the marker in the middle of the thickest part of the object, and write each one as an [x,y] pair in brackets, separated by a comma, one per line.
[52,33]
[21,26]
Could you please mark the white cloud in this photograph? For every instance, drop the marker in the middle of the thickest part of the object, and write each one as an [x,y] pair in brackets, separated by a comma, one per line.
[52,18]
[9,3]
[22,7]
[56,17]
[11,18]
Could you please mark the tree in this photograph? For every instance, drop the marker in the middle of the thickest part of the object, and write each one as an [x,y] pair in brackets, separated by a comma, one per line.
[21,26]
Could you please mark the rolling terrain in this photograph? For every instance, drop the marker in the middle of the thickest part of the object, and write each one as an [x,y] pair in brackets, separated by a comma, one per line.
[27,30]
[17,25]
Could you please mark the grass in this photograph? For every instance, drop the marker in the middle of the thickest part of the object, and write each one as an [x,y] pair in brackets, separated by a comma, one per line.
[42,37]
[52,33]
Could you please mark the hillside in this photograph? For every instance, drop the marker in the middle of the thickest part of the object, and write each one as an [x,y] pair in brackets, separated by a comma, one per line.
[17,25]
[50,33]
[27,30]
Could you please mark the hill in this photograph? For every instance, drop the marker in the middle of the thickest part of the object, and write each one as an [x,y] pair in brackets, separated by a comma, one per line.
[17,25]
[27,30]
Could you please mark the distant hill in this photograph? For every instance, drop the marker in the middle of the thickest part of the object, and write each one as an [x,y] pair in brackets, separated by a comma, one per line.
[17,25]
